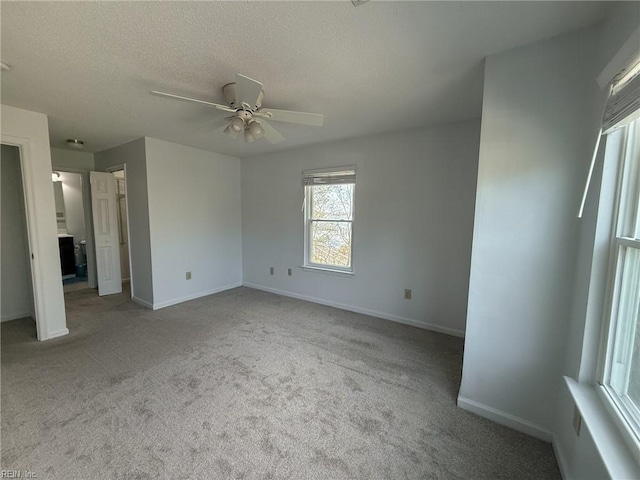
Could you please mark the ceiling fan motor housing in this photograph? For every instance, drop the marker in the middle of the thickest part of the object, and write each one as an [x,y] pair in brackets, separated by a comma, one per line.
[229,92]
[244,115]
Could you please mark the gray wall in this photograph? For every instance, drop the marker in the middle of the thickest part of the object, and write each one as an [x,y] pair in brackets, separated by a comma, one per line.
[537,272]
[413,221]
[194,215]
[537,132]
[133,155]
[15,277]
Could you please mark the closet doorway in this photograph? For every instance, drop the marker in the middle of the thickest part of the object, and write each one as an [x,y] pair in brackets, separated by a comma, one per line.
[123,224]
[119,173]
[16,278]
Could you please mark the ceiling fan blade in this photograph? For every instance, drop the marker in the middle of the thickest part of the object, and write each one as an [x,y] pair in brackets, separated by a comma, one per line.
[312,119]
[270,133]
[213,125]
[247,91]
[193,100]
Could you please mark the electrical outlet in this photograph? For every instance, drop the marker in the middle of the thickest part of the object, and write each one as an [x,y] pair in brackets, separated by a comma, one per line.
[270,270]
[407,294]
[188,275]
[577,420]
[289,271]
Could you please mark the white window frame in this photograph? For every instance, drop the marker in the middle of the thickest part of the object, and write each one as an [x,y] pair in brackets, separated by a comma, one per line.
[308,223]
[625,414]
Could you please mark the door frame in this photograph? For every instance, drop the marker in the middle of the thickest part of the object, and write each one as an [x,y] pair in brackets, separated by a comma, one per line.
[92,278]
[116,168]
[37,280]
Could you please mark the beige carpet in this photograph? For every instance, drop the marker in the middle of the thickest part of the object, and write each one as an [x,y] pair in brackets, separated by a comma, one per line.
[245,384]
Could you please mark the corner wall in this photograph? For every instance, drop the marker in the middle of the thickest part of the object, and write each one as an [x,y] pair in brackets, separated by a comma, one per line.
[413,221]
[537,133]
[194,218]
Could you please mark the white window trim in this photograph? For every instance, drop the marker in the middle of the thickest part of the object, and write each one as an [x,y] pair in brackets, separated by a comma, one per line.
[328,271]
[614,408]
[308,265]
[612,402]
[616,455]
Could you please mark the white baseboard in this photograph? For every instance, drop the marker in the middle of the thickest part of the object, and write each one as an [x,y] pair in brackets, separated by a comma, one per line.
[15,316]
[562,460]
[506,419]
[175,301]
[364,311]
[144,303]
[57,333]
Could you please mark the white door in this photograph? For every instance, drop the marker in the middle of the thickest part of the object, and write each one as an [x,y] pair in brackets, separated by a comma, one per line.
[105,228]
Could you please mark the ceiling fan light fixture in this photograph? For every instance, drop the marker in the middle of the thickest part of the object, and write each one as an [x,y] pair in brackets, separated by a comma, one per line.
[256,129]
[237,124]
[75,143]
[232,132]
[248,136]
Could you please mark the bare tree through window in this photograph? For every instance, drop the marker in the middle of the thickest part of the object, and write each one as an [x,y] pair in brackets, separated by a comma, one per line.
[331,224]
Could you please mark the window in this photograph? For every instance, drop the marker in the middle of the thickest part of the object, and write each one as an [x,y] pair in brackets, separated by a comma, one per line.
[328,209]
[620,377]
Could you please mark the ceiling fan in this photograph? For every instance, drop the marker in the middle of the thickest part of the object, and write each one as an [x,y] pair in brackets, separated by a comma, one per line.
[244,98]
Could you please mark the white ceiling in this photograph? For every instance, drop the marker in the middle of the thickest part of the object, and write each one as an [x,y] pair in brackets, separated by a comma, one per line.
[383,66]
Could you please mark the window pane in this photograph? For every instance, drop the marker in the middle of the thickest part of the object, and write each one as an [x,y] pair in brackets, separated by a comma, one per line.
[331,243]
[332,202]
[633,145]
[625,368]
[634,380]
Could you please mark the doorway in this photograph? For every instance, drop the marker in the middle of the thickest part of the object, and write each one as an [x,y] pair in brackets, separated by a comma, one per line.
[15,270]
[123,224]
[75,216]
[72,229]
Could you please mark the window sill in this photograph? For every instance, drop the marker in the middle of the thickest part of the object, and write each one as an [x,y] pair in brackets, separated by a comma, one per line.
[616,456]
[327,271]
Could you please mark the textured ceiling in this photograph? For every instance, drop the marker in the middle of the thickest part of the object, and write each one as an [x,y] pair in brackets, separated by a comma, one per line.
[383,66]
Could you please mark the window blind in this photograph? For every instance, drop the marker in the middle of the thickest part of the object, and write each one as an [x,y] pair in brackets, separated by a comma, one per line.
[329,177]
[622,107]
[623,104]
